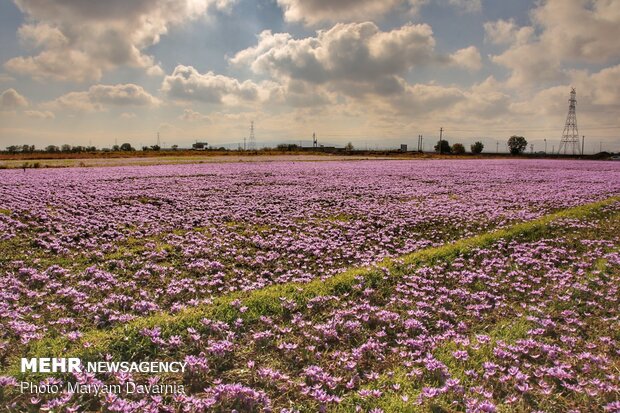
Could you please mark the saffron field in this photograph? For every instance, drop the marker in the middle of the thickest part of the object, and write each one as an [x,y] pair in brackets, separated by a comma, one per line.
[443,285]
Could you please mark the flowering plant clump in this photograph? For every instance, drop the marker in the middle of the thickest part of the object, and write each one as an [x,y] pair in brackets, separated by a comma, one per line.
[526,323]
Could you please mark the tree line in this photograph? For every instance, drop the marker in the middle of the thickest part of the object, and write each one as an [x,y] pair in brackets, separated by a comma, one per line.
[516,145]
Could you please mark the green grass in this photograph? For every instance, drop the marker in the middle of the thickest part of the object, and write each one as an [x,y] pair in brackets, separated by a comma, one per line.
[508,331]
[127,343]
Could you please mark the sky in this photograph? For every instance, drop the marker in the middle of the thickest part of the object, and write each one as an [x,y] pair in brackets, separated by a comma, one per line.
[376,73]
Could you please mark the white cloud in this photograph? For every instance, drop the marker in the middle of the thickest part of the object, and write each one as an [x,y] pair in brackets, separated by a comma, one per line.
[187,84]
[36,114]
[422,99]
[79,40]
[570,31]
[10,99]
[315,11]
[99,97]
[468,58]
[507,32]
[190,115]
[355,58]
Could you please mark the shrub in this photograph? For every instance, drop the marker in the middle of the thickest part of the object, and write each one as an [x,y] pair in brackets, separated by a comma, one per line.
[458,149]
[445,146]
[477,147]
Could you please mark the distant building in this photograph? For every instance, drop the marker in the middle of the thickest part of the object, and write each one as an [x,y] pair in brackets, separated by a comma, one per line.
[403,148]
[200,146]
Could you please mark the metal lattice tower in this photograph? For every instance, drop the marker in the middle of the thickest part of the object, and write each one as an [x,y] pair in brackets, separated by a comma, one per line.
[315,142]
[252,138]
[570,136]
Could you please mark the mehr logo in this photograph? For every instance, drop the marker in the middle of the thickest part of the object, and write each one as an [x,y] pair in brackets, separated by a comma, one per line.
[75,365]
[51,365]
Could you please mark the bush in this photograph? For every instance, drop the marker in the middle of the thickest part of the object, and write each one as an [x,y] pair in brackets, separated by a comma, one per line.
[477,148]
[458,149]
[445,146]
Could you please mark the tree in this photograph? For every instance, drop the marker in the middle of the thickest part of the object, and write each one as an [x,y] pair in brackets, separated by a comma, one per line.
[126,147]
[116,148]
[287,147]
[175,147]
[517,144]
[349,147]
[458,149]
[12,148]
[477,147]
[445,146]
[65,148]
[52,148]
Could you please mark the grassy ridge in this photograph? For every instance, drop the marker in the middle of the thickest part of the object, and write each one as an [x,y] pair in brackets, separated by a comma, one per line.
[127,343]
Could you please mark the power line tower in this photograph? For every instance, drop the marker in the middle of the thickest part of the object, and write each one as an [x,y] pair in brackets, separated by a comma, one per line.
[570,136]
[315,142]
[252,138]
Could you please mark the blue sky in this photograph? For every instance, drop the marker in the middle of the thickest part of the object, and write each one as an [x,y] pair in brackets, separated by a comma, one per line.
[374,73]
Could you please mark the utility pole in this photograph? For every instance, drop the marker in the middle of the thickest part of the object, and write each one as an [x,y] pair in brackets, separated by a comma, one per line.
[497,147]
[545,146]
[583,142]
[244,140]
[440,139]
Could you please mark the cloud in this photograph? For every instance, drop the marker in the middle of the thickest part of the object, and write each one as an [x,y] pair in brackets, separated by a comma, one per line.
[422,99]
[128,115]
[36,114]
[298,94]
[192,116]
[569,32]
[485,100]
[79,40]
[315,11]
[507,32]
[354,58]
[468,6]
[10,99]
[99,97]
[5,78]
[469,58]
[187,84]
